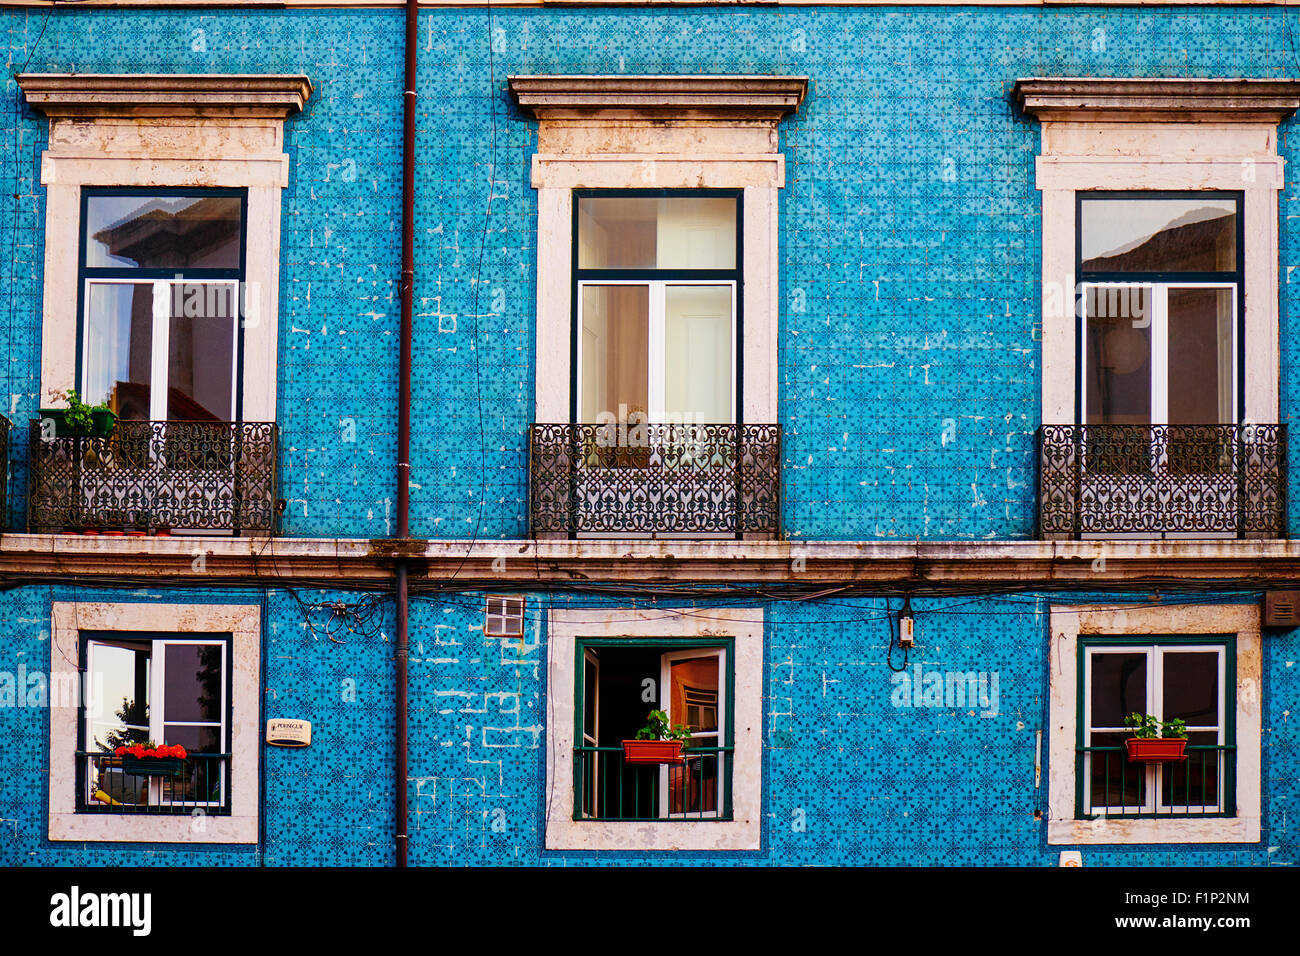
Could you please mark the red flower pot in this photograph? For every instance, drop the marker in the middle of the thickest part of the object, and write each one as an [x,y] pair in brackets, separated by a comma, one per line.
[652,751]
[1156,749]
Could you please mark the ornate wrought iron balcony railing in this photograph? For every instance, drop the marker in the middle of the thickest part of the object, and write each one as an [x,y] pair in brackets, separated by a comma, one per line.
[216,477]
[666,479]
[1211,480]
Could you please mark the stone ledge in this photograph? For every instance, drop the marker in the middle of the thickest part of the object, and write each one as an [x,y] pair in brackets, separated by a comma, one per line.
[935,565]
[86,95]
[1137,100]
[563,96]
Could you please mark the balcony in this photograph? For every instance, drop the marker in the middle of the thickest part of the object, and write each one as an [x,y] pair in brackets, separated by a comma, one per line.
[684,480]
[109,784]
[1208,481]
[152,476]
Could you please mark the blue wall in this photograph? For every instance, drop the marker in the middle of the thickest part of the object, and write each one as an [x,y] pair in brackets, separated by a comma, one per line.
[875,783]
[909,238]
[908,298]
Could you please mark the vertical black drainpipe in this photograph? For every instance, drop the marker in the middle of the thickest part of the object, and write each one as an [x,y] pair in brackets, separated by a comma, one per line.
[404,424]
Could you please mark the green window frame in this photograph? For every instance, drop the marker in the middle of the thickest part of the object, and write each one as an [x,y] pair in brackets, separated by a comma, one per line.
[699,789]
[1158,785]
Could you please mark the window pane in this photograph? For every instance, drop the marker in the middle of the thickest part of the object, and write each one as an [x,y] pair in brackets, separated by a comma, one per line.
[119,347]
[1119,688]
[193,682]
[615,350]
[1191,688]
[697,353]
[693,700]
[1159,235]
[201,346]
[194,739]
[163,232]
[1118,361]
[1201,325]
[642,232]
[1113,781]
[1194,782]
[119,685]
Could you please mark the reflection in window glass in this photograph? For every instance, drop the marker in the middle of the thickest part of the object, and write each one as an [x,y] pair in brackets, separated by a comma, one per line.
[1158,235]
[163,232]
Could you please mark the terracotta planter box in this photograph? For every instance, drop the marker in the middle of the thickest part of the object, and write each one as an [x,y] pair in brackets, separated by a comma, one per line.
[1156,749]
[652,751]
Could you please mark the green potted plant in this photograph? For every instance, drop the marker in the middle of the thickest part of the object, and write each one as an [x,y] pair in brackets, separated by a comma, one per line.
[1155,741]
[656,742]
[79,419]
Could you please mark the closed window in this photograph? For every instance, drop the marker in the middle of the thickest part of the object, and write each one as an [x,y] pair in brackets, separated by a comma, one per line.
[146,691]
[1160,276]
[656,286]
[1167,678]
[162,274]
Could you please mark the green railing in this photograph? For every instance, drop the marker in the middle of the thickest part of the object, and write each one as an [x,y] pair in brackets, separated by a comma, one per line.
[111,784]
[607,788]
[1203,785]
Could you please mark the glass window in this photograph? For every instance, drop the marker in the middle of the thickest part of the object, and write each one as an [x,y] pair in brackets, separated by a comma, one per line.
[657,282]
[1167,680]
[159,690]
[620,685]
[161,294]
[1161,287]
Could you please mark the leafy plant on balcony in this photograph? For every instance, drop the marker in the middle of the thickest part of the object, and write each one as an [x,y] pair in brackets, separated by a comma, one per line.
[1151,727]
[658,728]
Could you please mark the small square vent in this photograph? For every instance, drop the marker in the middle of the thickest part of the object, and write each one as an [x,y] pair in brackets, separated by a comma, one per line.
[1282,608]
[503,616]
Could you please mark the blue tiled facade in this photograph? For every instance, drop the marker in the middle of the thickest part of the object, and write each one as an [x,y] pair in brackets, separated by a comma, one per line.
[909,292]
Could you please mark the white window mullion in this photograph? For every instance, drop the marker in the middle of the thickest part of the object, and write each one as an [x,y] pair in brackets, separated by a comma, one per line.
[1160,355]
[657,348]
[162,309]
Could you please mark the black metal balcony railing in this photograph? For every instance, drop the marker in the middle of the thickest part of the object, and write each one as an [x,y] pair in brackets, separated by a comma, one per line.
[109,784]
[1203,785]
[1161,479]
[607,788]
[217,477]
[654,479]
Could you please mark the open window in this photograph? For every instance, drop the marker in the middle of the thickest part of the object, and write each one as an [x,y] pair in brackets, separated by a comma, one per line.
[608,669]
[621,682]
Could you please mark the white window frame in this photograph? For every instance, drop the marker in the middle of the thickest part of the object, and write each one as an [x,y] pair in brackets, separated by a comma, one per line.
[163,298]
[743,831]
[157,725]
[718,736]
[1154,704]
[658,132]
[657,345]
[1159,344]
[171,622]
[1159,135]
[1067,623]
[173,131]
